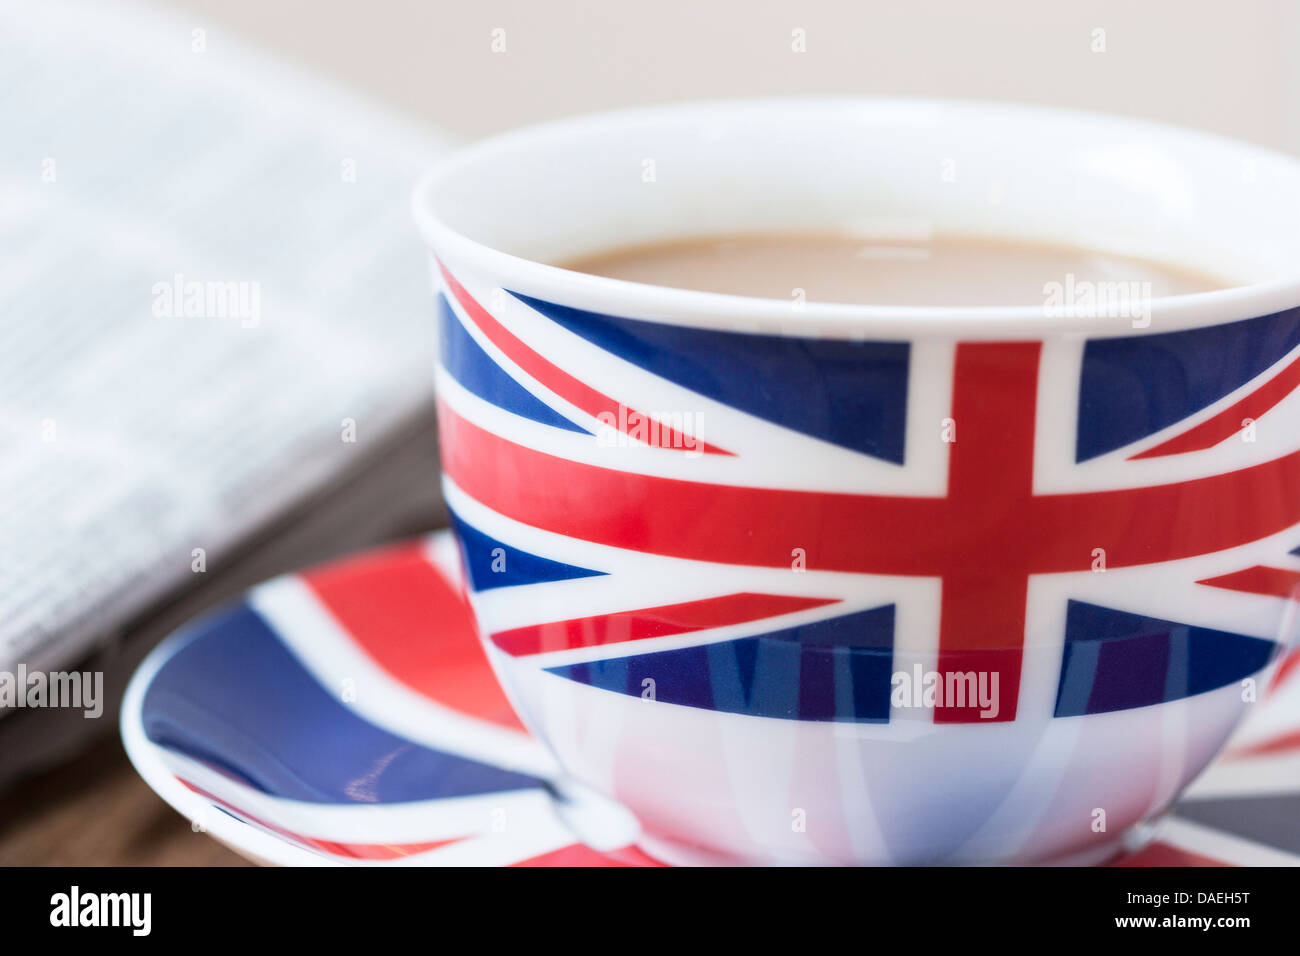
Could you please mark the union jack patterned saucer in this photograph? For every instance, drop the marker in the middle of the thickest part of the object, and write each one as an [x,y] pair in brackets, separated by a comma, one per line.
[347,715]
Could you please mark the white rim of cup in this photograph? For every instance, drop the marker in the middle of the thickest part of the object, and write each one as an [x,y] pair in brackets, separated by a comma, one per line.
[753,314]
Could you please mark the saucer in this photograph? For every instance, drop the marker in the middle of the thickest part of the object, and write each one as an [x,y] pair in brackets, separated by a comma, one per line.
[347,715]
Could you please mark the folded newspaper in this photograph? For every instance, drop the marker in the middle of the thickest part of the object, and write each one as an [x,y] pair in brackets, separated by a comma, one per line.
[211,302]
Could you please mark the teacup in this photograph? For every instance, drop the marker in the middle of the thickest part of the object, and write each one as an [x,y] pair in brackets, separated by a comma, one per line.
[804,582]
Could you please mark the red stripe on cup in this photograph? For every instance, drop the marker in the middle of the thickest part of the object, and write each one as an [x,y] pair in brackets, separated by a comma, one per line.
[662,621]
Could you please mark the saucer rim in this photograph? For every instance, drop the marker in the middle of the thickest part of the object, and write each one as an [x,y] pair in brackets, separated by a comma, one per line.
[240,837]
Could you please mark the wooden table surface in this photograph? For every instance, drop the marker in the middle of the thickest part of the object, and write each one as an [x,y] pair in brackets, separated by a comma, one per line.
[96,811]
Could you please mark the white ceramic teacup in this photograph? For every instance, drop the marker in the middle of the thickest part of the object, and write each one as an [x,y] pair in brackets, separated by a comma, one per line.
[853,584]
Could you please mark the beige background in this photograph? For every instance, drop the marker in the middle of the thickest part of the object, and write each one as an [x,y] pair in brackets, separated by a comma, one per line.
[1232,67]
